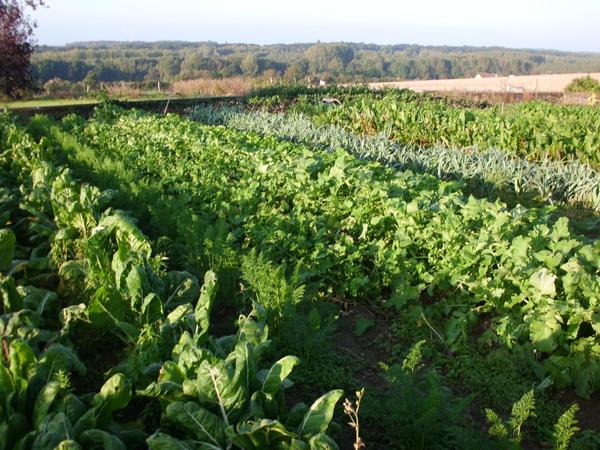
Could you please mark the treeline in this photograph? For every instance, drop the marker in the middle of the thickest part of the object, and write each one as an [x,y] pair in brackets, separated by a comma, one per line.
[93,62]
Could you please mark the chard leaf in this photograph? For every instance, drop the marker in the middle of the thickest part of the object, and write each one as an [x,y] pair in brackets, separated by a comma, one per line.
[68,445]
[152,308]
[253,329]
[58,357]
[296,414]
[126,232]
[100,440]
[205,426]
[228,391]
[7,249]
[53,429]
[162,441]
[181,288]
[135,284]
[322,442]
[178,314]
[587,378]
[130,331]
[115,394]
[86,422]
[21,358]
[263,434]
[106,308]
[319,415]
[6,384]
[44,401]
[204,306]
[11,300]
[279,372]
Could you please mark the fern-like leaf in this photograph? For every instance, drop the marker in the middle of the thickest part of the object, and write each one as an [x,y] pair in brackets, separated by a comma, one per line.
[497,428]
[565,428]
[521,411]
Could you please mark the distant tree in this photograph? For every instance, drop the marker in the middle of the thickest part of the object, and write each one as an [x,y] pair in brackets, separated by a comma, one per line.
[369,64]
[16,46]
[328,57]
[92,78]
[296,71]
[191,65]
[250,65]
[168,67]
[538,59]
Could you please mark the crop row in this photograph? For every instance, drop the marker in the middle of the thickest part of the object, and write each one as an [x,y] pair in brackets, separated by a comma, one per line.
[487,172]
[73,270]
[362,230]
[534,130]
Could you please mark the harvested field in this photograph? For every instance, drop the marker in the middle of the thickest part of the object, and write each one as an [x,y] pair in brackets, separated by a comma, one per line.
[516,84]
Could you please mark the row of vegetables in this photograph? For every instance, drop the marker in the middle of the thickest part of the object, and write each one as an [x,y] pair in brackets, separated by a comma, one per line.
[489,173]
[531,130]
[76,275]
[363,231]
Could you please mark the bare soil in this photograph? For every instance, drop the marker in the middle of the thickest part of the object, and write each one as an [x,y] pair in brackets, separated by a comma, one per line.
[517,84]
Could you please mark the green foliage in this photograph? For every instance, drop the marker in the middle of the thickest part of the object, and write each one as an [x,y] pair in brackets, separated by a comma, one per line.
[219,396]
[366,231]
[531,130]
[7,248]
[416,410]
[585,85]
[103,261]
[146,62]
[38,409]
[284,220]
[565,428]
[363,325]
[276,292]
[509,434]
[487,172]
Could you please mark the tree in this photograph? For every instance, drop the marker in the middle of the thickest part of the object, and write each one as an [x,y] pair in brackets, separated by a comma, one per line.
[296,71]
[250,65]
[328,57]
[168,67]
[16,46]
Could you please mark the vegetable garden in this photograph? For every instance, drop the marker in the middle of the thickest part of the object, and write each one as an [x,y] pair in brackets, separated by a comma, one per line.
[159,272]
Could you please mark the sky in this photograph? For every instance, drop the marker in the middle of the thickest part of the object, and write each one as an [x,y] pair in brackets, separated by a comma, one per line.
[540,24]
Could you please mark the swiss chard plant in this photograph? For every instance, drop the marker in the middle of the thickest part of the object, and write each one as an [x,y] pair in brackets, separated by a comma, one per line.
[215,393]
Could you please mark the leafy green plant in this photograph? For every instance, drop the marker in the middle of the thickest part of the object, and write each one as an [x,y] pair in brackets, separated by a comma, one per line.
[214,393]
[104,261]
[277,293]
[416,410]
[565,428]
[30,387]
[586,85]
[365,231]
[532,130]
[509,434]
[488,171]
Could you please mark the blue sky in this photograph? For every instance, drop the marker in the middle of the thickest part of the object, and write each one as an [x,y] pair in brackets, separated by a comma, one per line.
[550,24]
